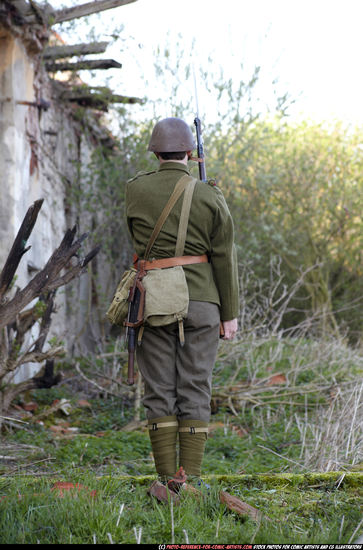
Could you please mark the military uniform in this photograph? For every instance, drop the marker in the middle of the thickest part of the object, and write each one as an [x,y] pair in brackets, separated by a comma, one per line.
[178,379]
[210,231]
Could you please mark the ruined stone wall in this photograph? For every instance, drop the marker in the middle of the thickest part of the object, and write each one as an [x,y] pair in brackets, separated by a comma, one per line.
[40,152]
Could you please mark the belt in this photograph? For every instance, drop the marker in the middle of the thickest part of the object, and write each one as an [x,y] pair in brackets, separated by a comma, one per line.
[170,262]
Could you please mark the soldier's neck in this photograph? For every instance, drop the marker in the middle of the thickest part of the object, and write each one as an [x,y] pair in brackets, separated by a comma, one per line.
[184,161]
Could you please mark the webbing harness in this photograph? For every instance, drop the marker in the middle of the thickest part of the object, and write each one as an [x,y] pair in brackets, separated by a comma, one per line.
[186,185]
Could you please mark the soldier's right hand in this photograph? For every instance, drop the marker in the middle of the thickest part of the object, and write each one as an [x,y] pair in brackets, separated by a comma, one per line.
[230,329]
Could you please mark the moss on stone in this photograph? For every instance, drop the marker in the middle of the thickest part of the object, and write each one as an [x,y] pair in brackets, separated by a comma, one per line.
[307,480]
[321,480]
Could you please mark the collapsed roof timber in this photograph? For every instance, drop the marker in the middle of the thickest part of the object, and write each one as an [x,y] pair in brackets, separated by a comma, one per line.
[33,21]
[51,125]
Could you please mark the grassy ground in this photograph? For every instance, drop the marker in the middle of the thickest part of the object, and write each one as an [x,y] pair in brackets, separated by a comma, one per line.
[120,511]
[263,450]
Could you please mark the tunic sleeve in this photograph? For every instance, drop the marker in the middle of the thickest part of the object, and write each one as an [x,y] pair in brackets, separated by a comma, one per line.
[224,260]
[128,219]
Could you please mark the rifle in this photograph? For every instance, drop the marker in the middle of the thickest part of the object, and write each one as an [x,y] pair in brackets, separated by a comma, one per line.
[200,145]
[135,318]
[201,161]
[200,150]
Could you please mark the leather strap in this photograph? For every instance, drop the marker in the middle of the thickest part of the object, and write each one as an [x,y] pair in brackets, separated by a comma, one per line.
[192,430]
[157,425]
[172,262]
[178,190]
[184,218]
[196,159]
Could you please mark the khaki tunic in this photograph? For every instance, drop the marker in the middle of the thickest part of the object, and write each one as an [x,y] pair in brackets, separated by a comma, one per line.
[210,231]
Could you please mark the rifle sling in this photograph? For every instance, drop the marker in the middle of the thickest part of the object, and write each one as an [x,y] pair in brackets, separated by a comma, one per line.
[184,218]
[178,190]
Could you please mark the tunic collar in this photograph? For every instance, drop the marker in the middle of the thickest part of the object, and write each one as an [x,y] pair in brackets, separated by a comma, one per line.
[170,165]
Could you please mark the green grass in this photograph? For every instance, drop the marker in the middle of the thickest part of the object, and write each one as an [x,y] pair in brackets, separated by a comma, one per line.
[321,514]
[119,466]
[130,452]
[264,454]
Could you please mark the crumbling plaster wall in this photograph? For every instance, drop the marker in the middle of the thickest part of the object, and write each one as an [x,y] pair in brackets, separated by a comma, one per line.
[40,152]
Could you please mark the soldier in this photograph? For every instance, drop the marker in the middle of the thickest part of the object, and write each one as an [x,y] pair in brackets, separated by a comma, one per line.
[178,378]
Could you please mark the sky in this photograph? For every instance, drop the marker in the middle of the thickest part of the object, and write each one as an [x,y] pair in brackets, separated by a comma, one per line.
[311,50]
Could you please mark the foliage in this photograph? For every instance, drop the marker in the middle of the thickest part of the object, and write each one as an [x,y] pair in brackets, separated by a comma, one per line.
[294,188]
[295,191]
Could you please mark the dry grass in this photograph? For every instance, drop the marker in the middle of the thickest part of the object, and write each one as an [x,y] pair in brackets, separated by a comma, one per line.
[333,438]
[307,378]
[316,386]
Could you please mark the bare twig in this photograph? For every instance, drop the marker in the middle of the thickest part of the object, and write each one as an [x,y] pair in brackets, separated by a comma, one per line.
[119,514]
[355,531]
[284,457]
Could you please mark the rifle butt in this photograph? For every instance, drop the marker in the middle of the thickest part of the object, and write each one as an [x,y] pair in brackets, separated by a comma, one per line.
[130,369]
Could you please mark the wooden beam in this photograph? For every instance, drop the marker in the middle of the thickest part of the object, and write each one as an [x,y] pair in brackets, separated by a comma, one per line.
[67,14]
[100,99]
[91,65]
[56,52]
[33,12]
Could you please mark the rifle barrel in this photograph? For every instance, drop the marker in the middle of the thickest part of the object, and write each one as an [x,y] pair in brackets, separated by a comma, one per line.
[200,150]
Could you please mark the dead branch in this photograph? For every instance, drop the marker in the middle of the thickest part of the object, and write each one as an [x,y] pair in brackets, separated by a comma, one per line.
[263,308]
[242,508]
[39,357]
[48,278]
[45,379]
[123,391]
[15,322]
[18,249]
[236,395]
[46,320]
[23,323]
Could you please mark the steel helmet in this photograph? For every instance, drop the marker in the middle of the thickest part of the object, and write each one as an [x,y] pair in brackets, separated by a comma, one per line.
[171,135]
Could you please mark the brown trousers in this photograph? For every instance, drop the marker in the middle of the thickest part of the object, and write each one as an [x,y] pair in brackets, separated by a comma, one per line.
[178,380]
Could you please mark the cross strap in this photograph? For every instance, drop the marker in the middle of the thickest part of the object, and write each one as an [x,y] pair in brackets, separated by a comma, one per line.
[184,217]
[178,191]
